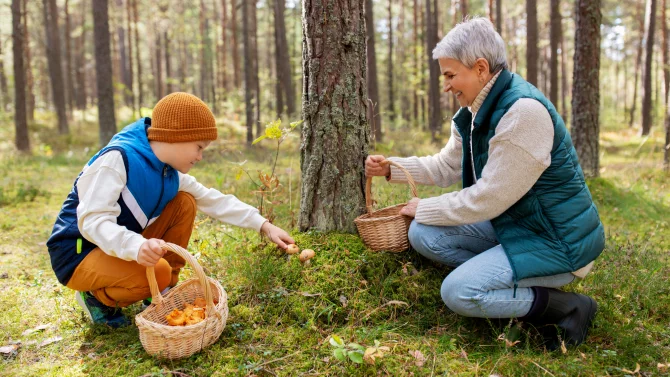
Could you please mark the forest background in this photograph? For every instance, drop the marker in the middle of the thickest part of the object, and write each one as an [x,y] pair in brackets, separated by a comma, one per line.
[74,72]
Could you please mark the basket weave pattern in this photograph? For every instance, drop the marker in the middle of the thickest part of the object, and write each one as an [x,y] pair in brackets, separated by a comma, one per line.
[385,229]
[174,342]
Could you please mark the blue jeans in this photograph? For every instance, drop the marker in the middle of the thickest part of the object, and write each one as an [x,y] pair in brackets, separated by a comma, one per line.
[481,284]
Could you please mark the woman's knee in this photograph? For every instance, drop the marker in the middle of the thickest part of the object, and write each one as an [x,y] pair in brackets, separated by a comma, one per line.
[417,236]
[458,296]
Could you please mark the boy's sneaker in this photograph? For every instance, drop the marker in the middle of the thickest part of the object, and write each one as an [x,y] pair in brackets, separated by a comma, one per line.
[147,301]
[99,312]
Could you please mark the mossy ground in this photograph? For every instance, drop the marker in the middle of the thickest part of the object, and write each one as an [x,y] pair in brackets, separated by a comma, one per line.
[282,314]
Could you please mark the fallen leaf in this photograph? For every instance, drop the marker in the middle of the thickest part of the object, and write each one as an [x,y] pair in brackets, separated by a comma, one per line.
[36,329]
[46,342]
[7,350]
[662,366]
[420,358]
[343,300]
[637,369]
[583,356]
[306,294]
[396,302]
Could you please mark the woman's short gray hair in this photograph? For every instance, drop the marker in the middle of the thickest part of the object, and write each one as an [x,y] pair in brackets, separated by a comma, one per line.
[473,39]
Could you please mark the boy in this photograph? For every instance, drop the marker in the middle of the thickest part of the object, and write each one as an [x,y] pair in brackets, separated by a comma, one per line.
[133,196]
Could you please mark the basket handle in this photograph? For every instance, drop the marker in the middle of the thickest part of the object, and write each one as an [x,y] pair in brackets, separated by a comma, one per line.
[368,184]
[156,296]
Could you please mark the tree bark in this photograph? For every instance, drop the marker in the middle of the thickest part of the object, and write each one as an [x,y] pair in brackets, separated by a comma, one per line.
[283,60]
[103,70]
[158,49]
[434,89]
[223,62]
[234,46]
[532,54]
[20,120]
[499,16]
[138,60]
[374,113]
[389,72]
[564,80]
[248,84]
[68,60]
[3,82]
[555,39]
[54,59]
[123,57]
[650,24]
[665,48]
[27,63]
[254,64]
[335,134]
[638,61]
[131,79]
[80,71]
[666,154]
[586,95]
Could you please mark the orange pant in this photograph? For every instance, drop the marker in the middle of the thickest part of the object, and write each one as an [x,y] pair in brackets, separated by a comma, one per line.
[116,282]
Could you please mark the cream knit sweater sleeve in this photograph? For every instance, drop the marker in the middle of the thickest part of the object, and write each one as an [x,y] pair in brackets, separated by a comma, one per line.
[519,153]
[442,169]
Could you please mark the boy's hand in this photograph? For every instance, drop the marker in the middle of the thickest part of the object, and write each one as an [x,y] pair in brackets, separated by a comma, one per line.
[276,235]
[150,252]
[374,168]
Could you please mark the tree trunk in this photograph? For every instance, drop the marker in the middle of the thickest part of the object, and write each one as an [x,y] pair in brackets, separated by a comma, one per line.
[666,154]
[27,63]
[279,90]
[491,11]
[555,39]
[665,48]
[236,55]
[123,57]
[248,84]
[373,88]
[564,79]
[201,52]
[68,60]
[223,62]
[54,59]
[335,134]
[464,12]
[254,64]
[389,72]
[168,64]
[499,16]
[283,64]
[532,55]
[80,71]
[434,81]
[131,80]
[20,121]
[586,95]
[158,49]
[650,24]
[138,60]
[638,62]
[4,90]
[103,70]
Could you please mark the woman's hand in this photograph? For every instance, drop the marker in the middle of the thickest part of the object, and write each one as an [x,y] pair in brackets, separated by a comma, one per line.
[150,252]
[410,208]
[374,168]
[277,235]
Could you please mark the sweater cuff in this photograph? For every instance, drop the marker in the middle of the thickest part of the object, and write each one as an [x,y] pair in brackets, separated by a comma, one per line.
[412,166]
[132,248]
[429,212]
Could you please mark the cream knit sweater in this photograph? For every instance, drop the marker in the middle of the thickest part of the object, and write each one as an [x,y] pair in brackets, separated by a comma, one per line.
[519,153]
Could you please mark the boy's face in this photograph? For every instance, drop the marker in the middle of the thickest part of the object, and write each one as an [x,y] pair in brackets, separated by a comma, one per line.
[183,156]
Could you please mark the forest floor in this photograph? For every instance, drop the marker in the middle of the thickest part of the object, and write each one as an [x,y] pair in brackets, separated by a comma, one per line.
[283,315]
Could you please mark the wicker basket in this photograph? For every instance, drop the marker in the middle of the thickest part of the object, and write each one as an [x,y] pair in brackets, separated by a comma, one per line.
[174,342]
[385,229]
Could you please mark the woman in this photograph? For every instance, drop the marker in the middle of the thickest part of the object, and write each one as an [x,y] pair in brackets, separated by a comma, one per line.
[524,223]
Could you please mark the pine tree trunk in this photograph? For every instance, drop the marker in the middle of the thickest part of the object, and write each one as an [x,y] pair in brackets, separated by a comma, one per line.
[532,55]
[223,62]
[434,81]
[158,49]
[168,64]
[4,90]
[638,62]
[129,41]
[389,71]
[416,58]
[666,154]
[564,80]
[374,112]
[103,70]
[54,59]
[123,58]
[68,60]
[650,24]
[499,17]
[201,52]
[665,48]
[27,63]
[80,71]
[248,84]
[138,60]
[20,120]
[464,12]
[554,40]
[235,45]
[254,63]
[335,134]
[586,95]
[283,59]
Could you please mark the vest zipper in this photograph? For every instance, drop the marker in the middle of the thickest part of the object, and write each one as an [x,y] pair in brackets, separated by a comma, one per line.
[160,198]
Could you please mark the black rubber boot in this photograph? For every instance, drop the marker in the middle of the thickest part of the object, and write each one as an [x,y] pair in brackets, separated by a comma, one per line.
[569,313]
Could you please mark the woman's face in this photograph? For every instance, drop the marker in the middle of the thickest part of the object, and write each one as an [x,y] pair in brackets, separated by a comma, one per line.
[465,83]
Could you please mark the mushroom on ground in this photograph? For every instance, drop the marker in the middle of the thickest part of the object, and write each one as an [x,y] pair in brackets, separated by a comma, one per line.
[306,255]
[292,249]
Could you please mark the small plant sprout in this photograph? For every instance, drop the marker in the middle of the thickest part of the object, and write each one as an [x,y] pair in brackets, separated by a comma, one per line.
[351,351]
[374,352]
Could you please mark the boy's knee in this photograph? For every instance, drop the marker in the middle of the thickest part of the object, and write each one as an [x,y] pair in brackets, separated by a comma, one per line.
[163,274]
[186,202]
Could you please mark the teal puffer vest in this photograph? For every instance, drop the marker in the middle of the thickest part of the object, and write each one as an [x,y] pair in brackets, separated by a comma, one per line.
[555,227]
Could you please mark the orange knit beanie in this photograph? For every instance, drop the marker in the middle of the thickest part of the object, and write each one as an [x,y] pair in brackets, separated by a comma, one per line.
[181,117]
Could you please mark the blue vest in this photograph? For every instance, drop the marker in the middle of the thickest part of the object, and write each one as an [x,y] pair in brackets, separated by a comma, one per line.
[150,185]
[555,227]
